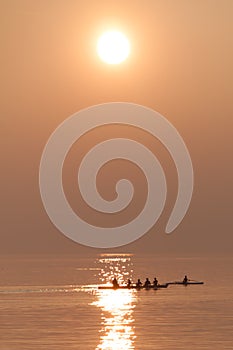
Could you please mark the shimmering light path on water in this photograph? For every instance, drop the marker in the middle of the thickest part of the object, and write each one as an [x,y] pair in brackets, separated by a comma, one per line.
[61,315]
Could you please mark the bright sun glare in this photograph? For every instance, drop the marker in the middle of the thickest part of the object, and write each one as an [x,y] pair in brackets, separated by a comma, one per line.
[113,47]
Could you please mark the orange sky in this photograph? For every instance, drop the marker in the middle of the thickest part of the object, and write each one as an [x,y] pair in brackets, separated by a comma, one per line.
[180,65]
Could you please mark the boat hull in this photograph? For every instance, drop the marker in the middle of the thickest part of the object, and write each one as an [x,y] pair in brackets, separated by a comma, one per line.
[187,283]
[165,285]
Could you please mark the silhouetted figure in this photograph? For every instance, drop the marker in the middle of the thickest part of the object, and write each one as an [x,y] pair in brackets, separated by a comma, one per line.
[139,283]
[147,283]
[155,282]
[129,283]
[115,283]
[185,280]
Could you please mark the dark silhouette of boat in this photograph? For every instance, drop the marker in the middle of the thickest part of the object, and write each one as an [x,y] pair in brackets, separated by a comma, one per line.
[185,283]
[164,285]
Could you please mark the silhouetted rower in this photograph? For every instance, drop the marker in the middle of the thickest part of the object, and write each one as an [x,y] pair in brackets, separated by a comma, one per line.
[139,283]
[147,283]
[115,283]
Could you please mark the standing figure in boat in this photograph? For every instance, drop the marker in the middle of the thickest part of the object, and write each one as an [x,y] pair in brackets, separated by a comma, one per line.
[185,280]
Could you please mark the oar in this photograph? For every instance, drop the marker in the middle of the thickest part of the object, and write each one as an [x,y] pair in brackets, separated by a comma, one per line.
[192,280]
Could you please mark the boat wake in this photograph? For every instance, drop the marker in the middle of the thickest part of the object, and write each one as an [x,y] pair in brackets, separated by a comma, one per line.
[45,289]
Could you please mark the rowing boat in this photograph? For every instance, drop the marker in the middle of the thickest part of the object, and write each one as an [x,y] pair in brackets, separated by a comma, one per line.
[165,285]
[186,283]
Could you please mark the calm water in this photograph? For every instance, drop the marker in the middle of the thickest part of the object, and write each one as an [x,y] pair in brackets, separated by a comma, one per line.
[53,303]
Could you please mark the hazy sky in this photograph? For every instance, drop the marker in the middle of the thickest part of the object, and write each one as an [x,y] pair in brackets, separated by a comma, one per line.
[180,65]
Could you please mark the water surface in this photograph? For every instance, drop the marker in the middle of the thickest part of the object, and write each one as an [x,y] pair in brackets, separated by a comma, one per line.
[53,303]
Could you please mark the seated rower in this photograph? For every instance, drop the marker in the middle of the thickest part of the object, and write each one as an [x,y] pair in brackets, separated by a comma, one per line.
[155,282]
[129,283]
[139,283]
[185,280]
[147,283]
[115,283]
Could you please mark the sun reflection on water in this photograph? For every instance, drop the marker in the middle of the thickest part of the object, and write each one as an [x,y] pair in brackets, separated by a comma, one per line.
[112,266]
[117,306]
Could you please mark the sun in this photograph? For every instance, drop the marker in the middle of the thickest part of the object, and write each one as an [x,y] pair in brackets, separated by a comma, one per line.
[113,47]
